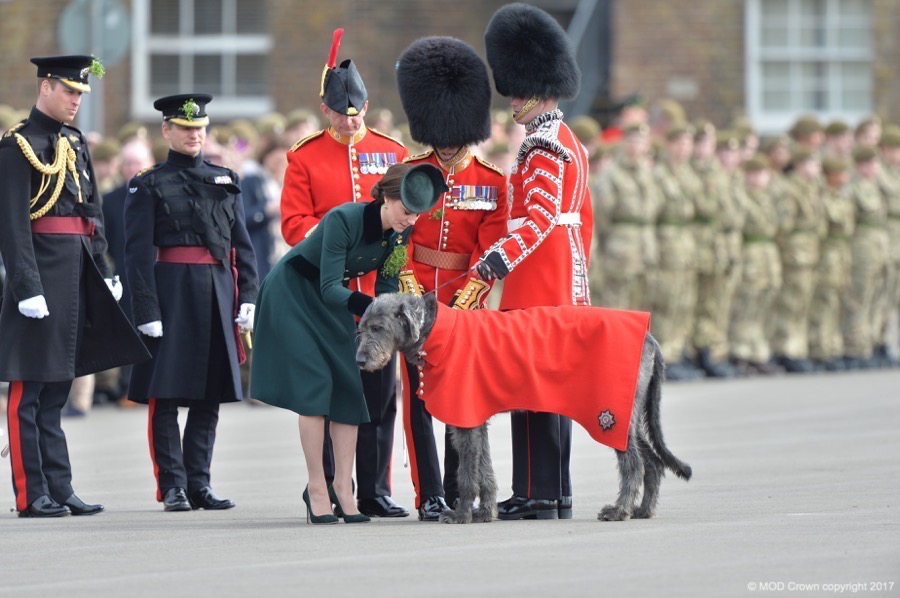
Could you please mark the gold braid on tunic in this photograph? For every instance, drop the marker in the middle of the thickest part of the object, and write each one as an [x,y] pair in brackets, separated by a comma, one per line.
[62,161]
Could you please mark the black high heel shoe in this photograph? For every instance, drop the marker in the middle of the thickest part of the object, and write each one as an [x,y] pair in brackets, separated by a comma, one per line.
[316,519]
[358,518]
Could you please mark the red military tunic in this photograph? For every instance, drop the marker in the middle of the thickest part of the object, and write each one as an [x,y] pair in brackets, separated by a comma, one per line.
[327,169]
[551,220]
[579,362]
[470,217]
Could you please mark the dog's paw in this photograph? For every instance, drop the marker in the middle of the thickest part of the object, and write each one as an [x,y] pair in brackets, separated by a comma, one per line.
[642,513]
[483,514]
[613,513]
[456,517]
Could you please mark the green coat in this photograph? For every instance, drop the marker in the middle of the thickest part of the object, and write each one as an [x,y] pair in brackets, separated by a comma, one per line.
[304,349]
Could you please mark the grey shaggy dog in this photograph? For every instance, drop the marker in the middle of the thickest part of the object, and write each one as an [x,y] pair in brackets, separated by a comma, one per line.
[401,322]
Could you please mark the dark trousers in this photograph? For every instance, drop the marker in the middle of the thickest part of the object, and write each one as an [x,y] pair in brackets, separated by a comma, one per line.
[375,440]
[38,452]
[425,466]
[181,463]
[542,446]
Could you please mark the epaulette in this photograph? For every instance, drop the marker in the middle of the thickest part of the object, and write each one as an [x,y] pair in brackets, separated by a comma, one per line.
[421,156]
[300,143]
[15,127]
[487,164]
[150,169]
[386,136]
[544,141]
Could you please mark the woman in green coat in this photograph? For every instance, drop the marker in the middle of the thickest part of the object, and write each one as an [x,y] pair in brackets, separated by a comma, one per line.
[305,332]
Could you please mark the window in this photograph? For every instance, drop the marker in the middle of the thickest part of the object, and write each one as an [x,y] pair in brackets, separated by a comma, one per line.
[808,56]
[206,46]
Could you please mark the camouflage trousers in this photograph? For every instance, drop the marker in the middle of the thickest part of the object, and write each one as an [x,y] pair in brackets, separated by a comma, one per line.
[760,282]
[623,292]
[887,301]
[674,304]
[868,273]
[826,338]
[715,295]
[790,333]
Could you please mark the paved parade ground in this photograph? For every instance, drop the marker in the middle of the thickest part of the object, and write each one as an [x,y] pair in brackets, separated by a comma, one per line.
[796,489]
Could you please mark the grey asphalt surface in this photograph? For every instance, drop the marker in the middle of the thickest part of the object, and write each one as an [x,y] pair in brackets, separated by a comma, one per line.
[796,482]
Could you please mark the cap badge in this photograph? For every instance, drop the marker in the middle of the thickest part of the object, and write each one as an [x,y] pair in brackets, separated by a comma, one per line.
[190,109]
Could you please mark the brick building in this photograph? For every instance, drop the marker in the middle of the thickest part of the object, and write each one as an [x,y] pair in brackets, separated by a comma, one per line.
[769,59]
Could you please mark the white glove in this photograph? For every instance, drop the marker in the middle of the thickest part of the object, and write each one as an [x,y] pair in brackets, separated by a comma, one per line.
[115,287]
[245,316]
[152,329]
[34,307]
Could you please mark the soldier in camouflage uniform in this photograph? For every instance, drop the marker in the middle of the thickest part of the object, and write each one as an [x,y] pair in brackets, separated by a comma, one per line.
[889,182]
[761,267]
[675,293]
[870,251]
[801,221]
[713,207]
[628,202]
[826,341]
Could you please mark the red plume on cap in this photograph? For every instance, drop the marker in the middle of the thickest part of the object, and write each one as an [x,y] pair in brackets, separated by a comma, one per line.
[332,57]
[335,44]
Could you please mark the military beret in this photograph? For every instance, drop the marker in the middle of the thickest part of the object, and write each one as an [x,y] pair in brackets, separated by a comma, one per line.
[837,127]
[832,164]
[727,140]
[670,109]
[864,154]
[805,125]
[679,129]
[271,124]
[771,143]
[635,128]
[703,128]
[868,122]
[801,154]
[755,164]
[891,137]
[106,150]
[586,128]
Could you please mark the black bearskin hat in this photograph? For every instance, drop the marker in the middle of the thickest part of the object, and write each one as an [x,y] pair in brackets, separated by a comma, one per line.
[530,54]
[445,92]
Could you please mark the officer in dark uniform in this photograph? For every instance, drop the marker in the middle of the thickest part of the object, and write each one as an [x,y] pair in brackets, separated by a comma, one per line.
[59,319]
[192,271]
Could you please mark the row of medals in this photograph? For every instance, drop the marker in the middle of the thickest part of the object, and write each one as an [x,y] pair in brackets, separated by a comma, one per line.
[376,163]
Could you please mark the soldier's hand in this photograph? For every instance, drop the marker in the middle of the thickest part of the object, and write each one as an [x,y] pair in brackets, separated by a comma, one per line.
[115,287]
[34,307]
[152,329]
[245,317]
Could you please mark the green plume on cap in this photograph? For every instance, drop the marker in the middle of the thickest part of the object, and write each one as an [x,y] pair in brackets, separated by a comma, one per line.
[97,69]
[189,108]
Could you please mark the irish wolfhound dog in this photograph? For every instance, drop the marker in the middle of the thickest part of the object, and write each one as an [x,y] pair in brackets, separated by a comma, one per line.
[402,322]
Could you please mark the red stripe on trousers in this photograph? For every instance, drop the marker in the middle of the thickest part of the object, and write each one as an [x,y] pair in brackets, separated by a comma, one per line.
[15,443]
[150,412]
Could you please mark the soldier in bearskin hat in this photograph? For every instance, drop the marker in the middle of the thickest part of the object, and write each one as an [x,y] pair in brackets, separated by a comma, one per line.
[334,166]
[544,258]
[446,94]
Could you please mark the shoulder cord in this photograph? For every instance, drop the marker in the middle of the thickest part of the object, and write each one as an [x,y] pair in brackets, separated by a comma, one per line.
[62,161]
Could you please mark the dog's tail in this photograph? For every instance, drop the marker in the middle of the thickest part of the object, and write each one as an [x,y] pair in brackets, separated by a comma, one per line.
[654,396]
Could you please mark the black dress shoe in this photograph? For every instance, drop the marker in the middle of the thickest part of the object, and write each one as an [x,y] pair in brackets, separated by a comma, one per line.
[381,506]
[79,507]
[44,506]
[205,498]
[565,507]
[519,507]
[431,509]
[176,500]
